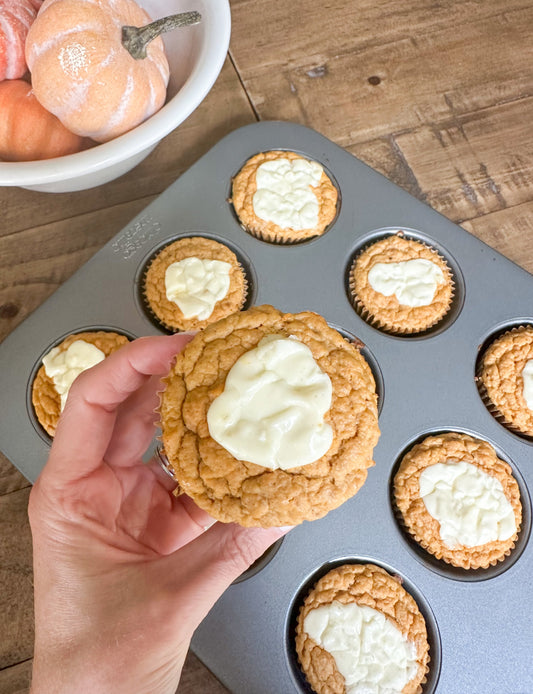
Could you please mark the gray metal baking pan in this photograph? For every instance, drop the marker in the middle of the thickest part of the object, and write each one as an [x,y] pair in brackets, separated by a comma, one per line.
[480,622]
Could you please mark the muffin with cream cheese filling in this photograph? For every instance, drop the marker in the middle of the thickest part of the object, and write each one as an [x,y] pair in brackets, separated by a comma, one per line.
[400,285]
[269,418]
[282,197]
[458,500]
[61,365]
[359,630]
[192,282]
[505,379]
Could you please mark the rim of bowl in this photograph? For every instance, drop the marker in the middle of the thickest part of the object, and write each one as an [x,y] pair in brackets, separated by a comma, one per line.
[154,129]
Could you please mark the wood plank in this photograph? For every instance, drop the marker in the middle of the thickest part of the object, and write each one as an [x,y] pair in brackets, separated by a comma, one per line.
[274,32]
[16,679]
[355,88]
[11,479]
[225,108]
[196,678]
[277,32]
[462,166]
[508,231]
[384,155]
[16,596]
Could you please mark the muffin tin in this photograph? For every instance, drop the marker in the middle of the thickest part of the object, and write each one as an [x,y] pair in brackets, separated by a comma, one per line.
[479,622]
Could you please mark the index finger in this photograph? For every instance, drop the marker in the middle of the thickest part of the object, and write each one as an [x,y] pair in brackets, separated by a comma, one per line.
[86,424]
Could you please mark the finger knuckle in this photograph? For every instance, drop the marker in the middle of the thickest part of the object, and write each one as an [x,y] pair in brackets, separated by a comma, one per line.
[239,550]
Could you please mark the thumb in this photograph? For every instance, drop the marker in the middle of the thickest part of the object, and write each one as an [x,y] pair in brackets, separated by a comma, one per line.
[201,571]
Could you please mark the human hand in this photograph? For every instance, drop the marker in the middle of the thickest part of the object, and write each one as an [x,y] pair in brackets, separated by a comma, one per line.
[123,570]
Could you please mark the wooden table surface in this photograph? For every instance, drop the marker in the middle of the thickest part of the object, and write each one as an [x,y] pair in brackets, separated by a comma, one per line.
[437,96]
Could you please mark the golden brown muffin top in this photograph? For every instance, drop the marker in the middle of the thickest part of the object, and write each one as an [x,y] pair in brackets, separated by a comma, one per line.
[168,312]
[501,375]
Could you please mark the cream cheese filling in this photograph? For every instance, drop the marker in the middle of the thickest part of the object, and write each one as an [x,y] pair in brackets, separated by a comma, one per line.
[413,282]
[272,409]
[284,195]
[64,366]
[196,284]
[469,504]
[370,652]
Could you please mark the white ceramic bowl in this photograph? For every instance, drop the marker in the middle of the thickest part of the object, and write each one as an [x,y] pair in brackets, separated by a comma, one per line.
[195,54]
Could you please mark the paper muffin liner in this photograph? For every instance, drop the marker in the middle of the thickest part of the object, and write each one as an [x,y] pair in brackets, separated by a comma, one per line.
[279,238]
[202,324]
[482,390]
[373,320]
[160,453]
[164,463]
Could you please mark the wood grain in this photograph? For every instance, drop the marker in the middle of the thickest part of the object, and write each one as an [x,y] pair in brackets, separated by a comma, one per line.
[16,679]
[461,167]
[16,596]
[11,480]
[508,234]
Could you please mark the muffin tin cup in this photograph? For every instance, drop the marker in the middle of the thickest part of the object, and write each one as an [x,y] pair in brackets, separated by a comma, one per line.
[372,320]
[276,238]
[427,381]
[441,564]
[489,404]
[246,298]
[429,681]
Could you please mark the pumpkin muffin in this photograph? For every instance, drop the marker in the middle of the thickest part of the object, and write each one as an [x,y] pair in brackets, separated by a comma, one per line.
[269,419]
[61,365]
[400,285]
[193,282]
[360,630]
[282,197]
[505,379]
[458,500]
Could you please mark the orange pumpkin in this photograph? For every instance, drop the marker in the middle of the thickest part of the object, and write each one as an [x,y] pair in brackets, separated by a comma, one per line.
[83,74]
[29,132]
[16,17]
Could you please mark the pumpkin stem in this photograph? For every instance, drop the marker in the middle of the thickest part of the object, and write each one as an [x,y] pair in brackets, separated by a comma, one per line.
[135,39]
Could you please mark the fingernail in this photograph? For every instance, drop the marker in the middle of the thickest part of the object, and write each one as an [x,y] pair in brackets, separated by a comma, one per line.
[286,528]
